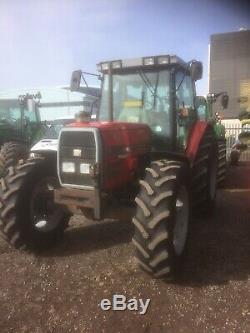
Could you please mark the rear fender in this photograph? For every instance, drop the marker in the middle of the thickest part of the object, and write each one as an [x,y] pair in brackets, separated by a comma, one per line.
[194,139]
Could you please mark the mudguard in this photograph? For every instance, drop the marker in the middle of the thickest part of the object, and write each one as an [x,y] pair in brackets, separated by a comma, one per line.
[194,139]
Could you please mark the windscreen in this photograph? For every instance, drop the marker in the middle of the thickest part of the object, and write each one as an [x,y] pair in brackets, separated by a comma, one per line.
[10,112]
[141,97]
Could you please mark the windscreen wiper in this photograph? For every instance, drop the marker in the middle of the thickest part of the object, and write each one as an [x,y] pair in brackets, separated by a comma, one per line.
[156,86]
[146,81]
[184,75]
[148,84]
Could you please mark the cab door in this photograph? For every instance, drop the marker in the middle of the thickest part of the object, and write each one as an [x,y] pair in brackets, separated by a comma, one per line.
[185,107]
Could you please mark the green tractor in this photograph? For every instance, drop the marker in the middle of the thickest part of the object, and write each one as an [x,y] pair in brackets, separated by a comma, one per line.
[147,146]
[205,111]
[20,126]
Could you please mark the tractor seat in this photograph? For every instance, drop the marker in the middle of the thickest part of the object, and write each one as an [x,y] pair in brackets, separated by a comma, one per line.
[132,111]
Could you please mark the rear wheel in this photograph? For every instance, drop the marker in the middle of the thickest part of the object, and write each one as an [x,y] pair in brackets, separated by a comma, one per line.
[204,175]
[162,218]
[29,216]
[10,154]
[222,163]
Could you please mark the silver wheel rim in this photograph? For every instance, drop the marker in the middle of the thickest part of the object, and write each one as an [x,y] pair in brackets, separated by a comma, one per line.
[182,219]
[48,220]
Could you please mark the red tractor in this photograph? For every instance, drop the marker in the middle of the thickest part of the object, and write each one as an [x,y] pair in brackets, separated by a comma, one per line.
[146,145]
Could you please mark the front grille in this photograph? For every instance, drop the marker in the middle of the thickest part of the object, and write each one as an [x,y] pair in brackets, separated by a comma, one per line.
[88,153]
[85,141]
[77,138]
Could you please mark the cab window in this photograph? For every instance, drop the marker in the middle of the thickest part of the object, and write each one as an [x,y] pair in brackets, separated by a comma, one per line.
[184,94]
[30,116]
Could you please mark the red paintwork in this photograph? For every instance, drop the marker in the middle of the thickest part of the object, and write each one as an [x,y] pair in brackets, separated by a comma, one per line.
[194,139]
[124,147]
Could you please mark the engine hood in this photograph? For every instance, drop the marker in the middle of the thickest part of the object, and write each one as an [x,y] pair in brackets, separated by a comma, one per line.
[45,145]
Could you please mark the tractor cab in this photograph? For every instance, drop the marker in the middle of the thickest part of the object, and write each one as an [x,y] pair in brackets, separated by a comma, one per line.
[17,118]
[157,91]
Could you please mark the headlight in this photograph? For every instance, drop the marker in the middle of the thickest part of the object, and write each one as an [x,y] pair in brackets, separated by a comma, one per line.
[68,167]
[84,168]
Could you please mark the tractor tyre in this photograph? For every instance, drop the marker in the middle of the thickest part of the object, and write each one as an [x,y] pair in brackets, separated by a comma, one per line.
[29,218]
[10,154]
[204,176]
[162,219]
[222,163]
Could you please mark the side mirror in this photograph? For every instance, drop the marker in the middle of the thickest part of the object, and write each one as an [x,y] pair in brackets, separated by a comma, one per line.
[196,70]
[75,80]
[224,101]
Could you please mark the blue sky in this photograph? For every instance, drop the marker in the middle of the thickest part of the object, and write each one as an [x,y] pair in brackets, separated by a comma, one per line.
[42,41]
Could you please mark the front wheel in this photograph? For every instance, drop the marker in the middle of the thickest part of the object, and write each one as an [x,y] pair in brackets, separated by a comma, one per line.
[162,218]
[29,216]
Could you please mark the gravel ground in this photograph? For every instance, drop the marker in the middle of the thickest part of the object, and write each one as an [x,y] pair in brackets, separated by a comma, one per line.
[59,291]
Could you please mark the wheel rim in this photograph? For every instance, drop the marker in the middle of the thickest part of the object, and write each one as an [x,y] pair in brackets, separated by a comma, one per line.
[182,219]
[45,214]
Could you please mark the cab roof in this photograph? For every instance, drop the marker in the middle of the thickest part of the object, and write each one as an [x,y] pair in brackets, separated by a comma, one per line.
[143,62]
